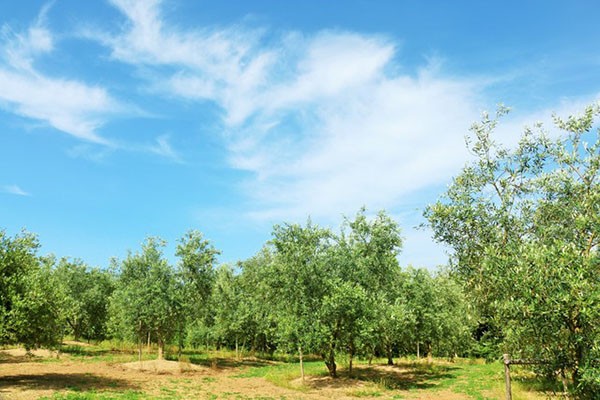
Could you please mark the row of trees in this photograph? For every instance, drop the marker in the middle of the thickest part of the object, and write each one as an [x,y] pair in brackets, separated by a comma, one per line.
[312,291]
[42,299]
[307,291]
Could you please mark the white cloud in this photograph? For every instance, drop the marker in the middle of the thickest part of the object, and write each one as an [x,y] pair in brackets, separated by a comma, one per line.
[14,189]
[219,65]
[20,49]
[67,105]
[163,148]
[319,120]
[325,123]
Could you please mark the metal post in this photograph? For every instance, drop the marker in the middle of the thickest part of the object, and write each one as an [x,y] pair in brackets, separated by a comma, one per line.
[507,376]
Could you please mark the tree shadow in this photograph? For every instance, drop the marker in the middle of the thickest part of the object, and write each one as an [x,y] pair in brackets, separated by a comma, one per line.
[549,385]
[56,381]
[403,376]
[222,362]
[11,359]
[80,351]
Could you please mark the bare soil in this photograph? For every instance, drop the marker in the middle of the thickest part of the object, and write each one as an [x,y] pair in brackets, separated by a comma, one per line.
[24,377]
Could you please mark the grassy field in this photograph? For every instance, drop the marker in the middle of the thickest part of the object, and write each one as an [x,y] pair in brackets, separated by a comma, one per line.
[112,372]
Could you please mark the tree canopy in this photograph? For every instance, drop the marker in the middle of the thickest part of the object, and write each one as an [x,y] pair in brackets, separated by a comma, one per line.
[524,224]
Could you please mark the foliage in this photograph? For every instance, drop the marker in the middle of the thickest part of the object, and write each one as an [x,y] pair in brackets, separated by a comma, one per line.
[196,269]
[299,275]
[230,310]
[85,296]
[524,225]
[29,304]
[146,299]
[196,273]
[308,290]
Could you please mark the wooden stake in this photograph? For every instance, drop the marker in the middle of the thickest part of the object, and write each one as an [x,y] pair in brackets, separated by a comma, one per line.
[507,376]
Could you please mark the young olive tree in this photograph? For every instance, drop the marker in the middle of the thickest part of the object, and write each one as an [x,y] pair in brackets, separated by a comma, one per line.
[230,308]
[29,301]
[85,292]
[299,282]
[147,296]
[367,257]
[196,273]
[261,319]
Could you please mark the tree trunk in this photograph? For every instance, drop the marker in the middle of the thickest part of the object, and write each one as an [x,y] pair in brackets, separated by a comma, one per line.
[351,356]
[429,354]
[161,349]
[301,356]
[579,360]
[563,378]
[140,342]
[330,363]
[237,352]
[390,355]
[60,342]
[418,353]
[179,344]
[75,330]
[148,347]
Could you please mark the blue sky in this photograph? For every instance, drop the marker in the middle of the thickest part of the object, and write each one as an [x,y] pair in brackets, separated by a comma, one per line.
[122,119]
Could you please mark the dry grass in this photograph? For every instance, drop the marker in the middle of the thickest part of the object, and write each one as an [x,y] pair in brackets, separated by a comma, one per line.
[81,375]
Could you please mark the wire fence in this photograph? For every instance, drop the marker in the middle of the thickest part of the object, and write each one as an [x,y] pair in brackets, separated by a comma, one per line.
[531,361]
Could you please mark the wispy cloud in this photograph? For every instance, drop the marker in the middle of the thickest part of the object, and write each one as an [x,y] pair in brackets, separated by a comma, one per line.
[67,105]
[21,48]
[15,190]
[322,121]
[163,148]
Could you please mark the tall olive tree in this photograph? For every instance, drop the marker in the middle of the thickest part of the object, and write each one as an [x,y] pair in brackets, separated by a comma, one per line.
[334,285]
[524,224]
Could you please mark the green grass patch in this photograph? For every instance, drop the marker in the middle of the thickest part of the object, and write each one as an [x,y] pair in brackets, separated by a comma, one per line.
[282,374]
[92,395]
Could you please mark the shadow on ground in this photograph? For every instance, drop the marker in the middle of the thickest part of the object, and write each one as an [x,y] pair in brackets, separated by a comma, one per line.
[223,362]
[396,377]
[56,381]
[10,359]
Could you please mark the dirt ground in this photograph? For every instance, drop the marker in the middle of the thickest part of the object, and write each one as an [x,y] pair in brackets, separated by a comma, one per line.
[24,378]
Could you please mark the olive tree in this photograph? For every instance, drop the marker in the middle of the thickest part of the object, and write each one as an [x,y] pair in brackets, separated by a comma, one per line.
[85,295]
[147,297]
[29,301]
[196,273]
[524,224]
[299,274]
